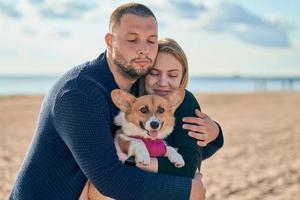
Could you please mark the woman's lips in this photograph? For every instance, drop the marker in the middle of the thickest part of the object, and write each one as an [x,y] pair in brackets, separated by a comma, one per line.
[162,92]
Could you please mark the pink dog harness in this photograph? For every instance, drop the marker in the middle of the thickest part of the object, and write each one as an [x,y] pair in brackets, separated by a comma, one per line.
[155,148]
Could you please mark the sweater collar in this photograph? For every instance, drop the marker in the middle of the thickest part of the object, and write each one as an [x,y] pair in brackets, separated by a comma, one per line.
[106,77]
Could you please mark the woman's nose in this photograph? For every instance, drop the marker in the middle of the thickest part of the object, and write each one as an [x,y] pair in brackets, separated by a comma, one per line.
[163,81]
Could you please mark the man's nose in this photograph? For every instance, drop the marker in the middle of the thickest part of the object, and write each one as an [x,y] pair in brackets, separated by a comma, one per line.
[143,49]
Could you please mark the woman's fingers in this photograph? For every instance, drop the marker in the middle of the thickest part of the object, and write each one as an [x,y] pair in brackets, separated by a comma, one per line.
[202,138]
[201,118]
[200,114]
[202,128]
[194,120]
[198,136]
[202,143]
[195,128]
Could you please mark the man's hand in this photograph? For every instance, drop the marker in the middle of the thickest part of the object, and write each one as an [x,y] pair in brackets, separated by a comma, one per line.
[198,191]
[202,128]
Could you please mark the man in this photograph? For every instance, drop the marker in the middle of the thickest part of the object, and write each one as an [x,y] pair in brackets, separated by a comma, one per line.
[74,137]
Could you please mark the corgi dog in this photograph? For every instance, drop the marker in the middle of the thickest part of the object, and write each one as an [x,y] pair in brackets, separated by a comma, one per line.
[145,122]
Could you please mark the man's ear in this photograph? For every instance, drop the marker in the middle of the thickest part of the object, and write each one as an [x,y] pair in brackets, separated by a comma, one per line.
[175,98]
[123,100]
[108,41]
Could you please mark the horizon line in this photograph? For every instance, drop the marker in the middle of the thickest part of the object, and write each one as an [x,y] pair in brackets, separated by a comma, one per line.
[216,76]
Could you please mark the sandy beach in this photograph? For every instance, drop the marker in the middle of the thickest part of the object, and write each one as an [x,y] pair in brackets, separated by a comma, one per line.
[259,161]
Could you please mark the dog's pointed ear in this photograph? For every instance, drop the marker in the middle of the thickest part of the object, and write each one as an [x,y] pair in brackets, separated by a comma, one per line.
[122,99]
[175,98]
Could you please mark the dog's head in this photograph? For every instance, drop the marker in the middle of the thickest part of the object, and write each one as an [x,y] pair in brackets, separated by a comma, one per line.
[148,116]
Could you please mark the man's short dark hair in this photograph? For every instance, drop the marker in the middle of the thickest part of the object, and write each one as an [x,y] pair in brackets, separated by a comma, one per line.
[129,8]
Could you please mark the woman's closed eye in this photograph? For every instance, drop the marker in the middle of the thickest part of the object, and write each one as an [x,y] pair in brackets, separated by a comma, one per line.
[154,73]
[173,75]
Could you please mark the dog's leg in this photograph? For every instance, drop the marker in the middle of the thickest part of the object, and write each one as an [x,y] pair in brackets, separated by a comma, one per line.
[174,157]
[122,141]
[138,149]
[134,147]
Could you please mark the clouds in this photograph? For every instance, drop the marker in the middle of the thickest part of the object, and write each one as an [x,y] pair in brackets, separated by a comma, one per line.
[9,9]
[8,53]
[52,9]
[247,27]
[226,36]
[266,35]
[186,9]
[225,18]
[41,18]
[36,1]
[63,9]
[228,18]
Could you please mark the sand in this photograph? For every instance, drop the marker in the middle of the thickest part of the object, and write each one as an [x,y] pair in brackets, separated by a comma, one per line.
[259,161]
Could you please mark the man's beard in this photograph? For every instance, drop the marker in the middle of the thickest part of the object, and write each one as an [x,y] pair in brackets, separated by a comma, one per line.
[127,69]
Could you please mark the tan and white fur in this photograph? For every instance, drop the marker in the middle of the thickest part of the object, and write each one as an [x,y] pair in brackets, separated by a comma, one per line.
[148,117]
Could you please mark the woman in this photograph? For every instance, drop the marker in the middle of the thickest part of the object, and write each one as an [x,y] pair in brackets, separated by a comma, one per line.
[169,73]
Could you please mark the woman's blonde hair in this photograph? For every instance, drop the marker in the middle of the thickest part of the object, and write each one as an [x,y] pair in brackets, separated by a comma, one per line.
[170,46]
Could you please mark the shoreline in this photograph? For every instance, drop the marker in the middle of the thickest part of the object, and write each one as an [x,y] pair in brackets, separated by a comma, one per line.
[195,93]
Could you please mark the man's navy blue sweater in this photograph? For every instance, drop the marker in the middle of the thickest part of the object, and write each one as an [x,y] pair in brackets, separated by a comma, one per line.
[74,141]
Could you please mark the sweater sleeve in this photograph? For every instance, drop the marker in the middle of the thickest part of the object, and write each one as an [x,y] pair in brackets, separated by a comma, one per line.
[212,147]
[83,123]
[187,146]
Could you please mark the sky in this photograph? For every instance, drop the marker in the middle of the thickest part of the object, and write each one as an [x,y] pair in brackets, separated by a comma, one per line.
[220,37]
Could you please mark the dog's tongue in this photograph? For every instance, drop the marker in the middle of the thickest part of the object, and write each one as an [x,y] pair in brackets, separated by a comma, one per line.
[153,134]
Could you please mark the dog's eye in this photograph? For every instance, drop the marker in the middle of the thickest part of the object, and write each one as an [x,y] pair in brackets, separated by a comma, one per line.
[144,109]
[161,110]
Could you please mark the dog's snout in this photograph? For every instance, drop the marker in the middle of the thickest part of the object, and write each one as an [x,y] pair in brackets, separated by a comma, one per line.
[154,124]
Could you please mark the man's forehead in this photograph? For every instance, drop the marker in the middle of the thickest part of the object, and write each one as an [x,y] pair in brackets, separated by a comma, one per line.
[136,23]
[131,16]
[136,34]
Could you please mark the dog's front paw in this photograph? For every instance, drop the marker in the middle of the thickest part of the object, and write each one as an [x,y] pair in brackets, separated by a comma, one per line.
[139,150]
[178,161]
[143,158]
[175,157]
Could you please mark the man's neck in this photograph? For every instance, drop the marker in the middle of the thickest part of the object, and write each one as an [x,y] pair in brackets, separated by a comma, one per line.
[122,81]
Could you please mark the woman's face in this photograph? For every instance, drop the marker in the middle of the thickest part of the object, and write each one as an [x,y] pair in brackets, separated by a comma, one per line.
[165,76]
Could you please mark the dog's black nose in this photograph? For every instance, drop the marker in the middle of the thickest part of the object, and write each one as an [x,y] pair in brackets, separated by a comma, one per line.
[154,124]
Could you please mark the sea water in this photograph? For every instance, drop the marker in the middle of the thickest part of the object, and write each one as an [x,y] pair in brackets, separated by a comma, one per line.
[40,85]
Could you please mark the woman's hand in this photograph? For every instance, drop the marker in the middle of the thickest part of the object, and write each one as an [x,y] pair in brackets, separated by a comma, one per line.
[202,128]
[198,191]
